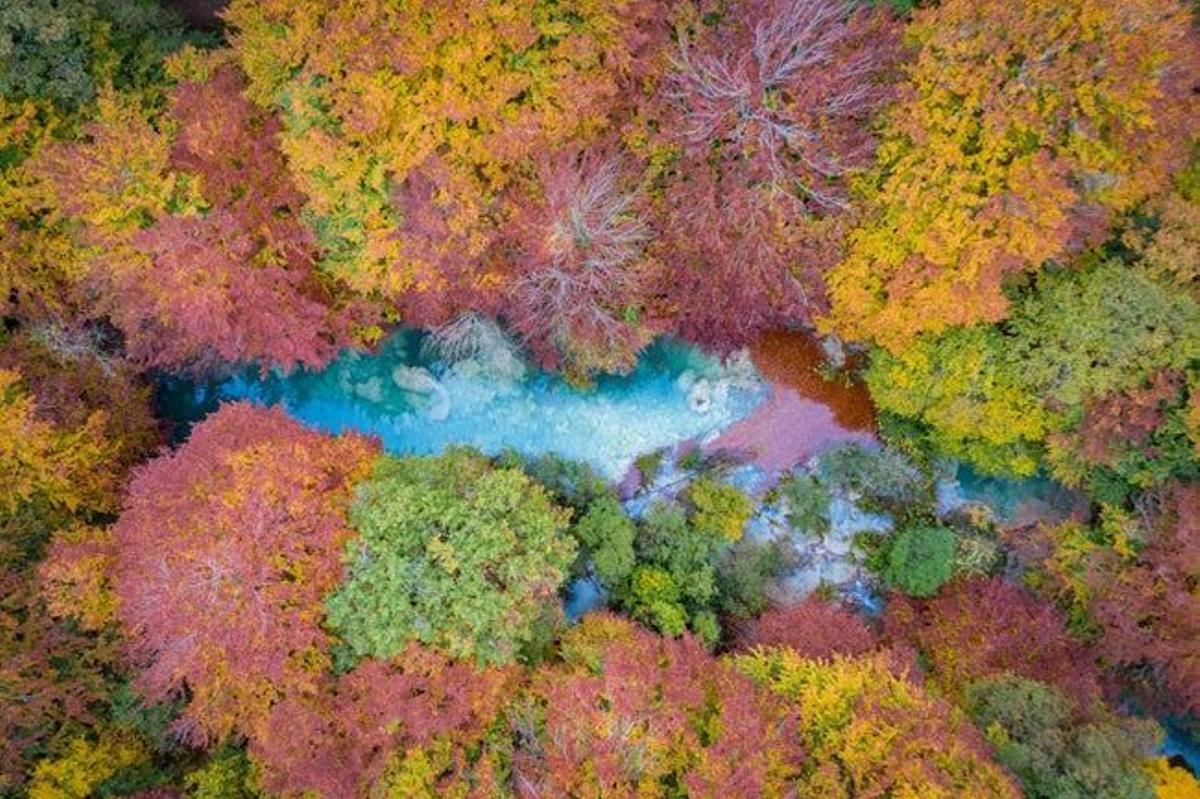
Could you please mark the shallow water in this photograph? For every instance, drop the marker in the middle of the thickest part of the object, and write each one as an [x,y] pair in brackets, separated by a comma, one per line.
[418,404]
[1014,503]
[1181,744]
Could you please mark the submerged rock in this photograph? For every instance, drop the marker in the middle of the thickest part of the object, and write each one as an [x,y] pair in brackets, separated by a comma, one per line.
[475,346]
[834,351]
[370,389]
[416,379]
[700,396]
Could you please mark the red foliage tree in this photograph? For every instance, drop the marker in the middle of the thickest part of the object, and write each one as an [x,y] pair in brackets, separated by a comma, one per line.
[771,110]
[1149,610]
[1120,421]
[224,554]
[652,710]
[239,280]
[340,740]
[739,263]
[787,88]
[209,299]
[197,250]
[977,628]
[580,249]
[455,270]
[813,627]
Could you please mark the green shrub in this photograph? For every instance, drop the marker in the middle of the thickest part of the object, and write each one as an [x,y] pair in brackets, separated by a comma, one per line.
[745,572]
[920,560]
[570,483]
[807,503]
[654,599]
[606,535]
[649,466]
[884,478]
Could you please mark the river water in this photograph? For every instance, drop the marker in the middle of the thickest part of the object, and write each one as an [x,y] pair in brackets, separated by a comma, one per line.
[417,401]
[772,406]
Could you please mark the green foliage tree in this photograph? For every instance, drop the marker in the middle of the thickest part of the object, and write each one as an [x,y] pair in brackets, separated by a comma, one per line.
[1053,755]
[691,562]
[745,572]
[1078,357]
[674,583]
[227,774]
[608,535]
[920,560]
[63,50]
[807,501]
[451,552]
[1086,333]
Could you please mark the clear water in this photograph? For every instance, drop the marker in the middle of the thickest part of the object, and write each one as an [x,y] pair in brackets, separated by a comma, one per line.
[428,404]
[1180,743]
[1013,502]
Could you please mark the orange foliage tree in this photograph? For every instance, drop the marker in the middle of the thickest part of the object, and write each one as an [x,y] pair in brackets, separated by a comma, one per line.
[71,423]
[631,713]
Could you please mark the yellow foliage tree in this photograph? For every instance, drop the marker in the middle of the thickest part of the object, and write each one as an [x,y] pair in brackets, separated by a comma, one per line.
[1022,126]
[1171,782]
[42,462]
[869,731]
[76,580]
[379,96]
[38,263]
[960,386]
[85,765]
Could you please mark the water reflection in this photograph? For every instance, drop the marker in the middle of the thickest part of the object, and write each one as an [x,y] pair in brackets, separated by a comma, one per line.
[804,413]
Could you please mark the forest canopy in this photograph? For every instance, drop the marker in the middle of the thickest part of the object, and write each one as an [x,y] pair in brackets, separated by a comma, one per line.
[981,218]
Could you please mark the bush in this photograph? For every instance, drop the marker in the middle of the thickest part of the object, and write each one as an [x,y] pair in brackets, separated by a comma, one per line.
[884,478]
[718,509]
[649,466]
[571,483]
[606,534]
[654,598]
[920,560]
[745,573]
[807,503]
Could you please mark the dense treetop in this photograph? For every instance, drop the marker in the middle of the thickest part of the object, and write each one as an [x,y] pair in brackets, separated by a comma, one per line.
[989,210]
